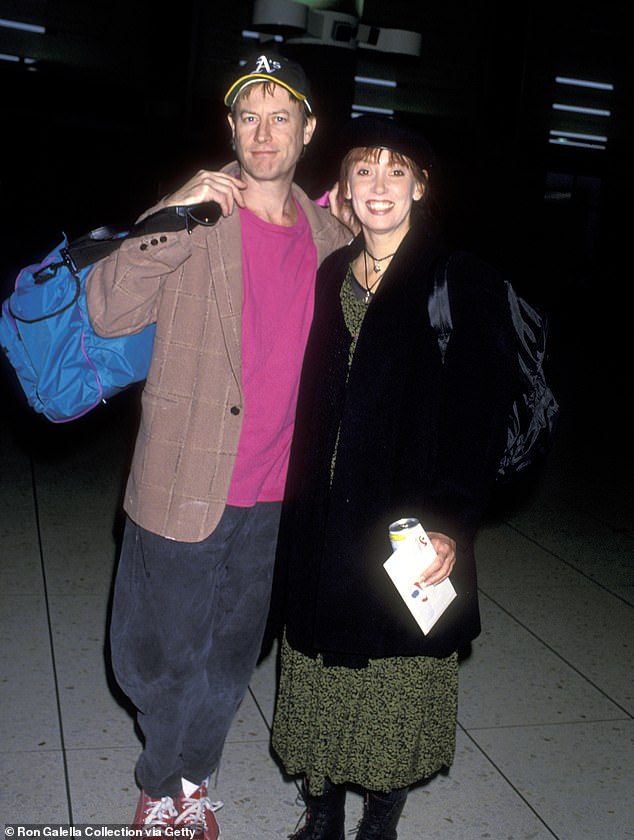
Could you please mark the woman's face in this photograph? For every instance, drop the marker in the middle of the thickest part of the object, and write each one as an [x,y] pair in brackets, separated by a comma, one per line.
[382,193]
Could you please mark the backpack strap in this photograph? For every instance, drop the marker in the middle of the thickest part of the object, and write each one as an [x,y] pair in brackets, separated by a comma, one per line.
[438,305]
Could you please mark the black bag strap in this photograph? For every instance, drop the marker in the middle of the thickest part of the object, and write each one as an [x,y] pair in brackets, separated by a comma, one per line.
[102,241]
[438,305]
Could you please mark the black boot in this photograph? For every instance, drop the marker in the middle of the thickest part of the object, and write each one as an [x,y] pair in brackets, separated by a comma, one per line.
[325,814]
[381,813]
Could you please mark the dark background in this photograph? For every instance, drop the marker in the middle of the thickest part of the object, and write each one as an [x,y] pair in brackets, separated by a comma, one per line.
[124,100]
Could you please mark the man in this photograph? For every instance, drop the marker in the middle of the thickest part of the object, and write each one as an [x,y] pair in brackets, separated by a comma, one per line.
[232,305]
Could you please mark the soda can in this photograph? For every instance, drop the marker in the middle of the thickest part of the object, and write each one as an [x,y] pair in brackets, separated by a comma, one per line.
[407,532]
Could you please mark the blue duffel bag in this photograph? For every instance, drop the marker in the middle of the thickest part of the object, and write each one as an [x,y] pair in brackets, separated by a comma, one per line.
[63,366]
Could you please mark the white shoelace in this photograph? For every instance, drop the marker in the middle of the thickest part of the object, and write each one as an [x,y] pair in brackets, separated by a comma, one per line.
[157,814]
[193,812]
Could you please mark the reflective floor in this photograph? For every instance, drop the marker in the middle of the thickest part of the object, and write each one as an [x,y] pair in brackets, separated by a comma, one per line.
[546,735]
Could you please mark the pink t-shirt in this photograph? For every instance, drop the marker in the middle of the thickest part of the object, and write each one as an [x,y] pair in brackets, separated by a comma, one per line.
[278,269]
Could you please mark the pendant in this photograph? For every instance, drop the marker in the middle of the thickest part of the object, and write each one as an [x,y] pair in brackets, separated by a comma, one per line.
[367,297]
[377,268]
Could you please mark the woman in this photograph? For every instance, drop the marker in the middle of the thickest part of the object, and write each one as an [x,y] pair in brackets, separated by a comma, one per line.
[386,428]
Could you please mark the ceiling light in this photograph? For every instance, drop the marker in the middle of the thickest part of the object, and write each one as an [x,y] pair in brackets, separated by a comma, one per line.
[312,24]
[368,80]
[562,141]
[372,110]
[567,80]
[17,58]
[269,15]
[579,109]
[25,27]
[579,135]
[256,36]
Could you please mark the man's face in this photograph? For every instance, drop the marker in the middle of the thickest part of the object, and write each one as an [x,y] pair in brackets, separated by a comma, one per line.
[270,132]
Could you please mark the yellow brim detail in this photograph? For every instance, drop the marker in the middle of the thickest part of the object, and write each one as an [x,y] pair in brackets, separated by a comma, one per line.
[251,78]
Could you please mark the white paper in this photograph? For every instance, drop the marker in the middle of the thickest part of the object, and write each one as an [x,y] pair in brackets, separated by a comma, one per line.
[405,566]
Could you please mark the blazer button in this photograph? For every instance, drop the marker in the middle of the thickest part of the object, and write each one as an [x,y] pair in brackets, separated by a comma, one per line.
[235,409]
[143,246]
[153,241]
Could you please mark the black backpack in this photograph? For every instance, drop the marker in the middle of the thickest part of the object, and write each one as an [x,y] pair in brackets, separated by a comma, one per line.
[533,418]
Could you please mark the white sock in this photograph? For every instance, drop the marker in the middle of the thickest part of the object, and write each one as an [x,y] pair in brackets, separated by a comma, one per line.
[188,787]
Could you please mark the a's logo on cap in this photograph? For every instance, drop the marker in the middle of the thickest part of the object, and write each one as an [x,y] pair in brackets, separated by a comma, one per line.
[264,65]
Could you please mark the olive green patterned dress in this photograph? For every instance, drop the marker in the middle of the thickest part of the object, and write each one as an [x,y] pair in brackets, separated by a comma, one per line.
[385,726]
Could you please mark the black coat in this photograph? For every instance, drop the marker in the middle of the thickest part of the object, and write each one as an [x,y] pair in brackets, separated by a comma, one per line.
[416,438]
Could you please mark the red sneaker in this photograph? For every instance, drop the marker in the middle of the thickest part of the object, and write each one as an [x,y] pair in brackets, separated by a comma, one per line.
[155,814]
[197,812]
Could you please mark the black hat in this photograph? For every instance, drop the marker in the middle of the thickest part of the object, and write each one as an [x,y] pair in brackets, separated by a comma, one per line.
[383,133]
[272,67]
